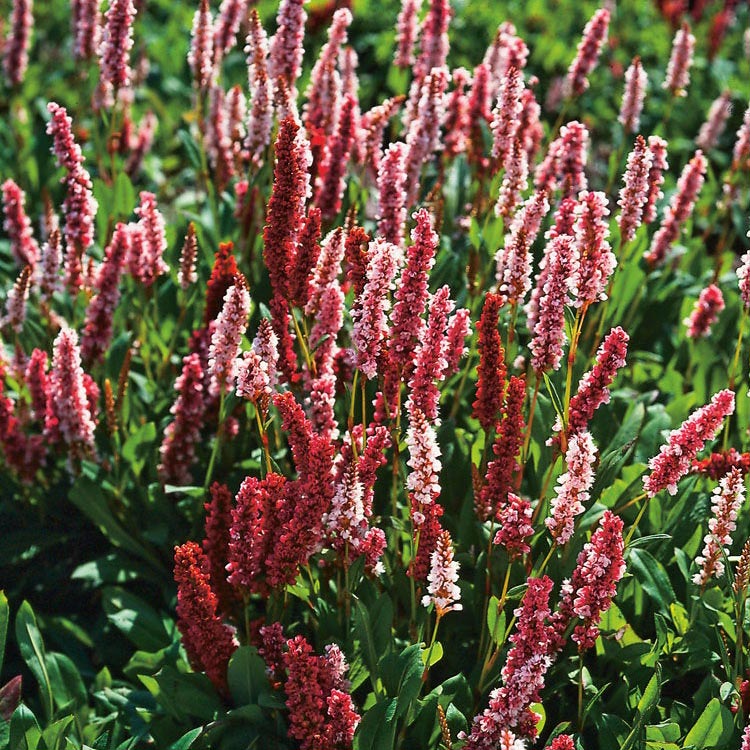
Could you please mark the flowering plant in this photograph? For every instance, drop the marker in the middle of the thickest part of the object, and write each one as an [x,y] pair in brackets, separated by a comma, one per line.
[341,410]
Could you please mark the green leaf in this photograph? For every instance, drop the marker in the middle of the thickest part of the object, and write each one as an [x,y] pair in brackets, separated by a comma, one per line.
[31,646]
[646,705]
[135,618]
[713,727]
[495,622]
[377,730]
[435,654]
[186,740]
[88,497]
[246,675]
[25,733]
[410,684]
[653,578]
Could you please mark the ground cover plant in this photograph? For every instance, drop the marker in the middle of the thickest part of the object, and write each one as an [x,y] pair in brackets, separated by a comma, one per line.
[374,375]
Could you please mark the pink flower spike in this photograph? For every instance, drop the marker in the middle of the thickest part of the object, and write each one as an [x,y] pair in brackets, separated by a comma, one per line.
[676,455]
[86,22]
[658,148]
[187,275]
[407,30]
[370,308]
[423,136]
[97,333]
[549,332]
[513,260]
[709,304]
[15,304]
[231,14]
[506,115]
[200,56]
[680,208]
[411,292]
[423,481]
[515,180]
[636,82]
[16,45]
[727,500]
[260,118]
[457,122]
[182,435]
[392,193]
[593,390]
[589,592]
[69,417]
[515,526]
[226,339]
[80,206]
[331,188]
[434,42]
[634,193]
[50,266]
[286,50]
[145,259]
[572,487]
[17,225]
[589,48]
[715,123]
[429,358]
[523,675]
[594,259]
[678,70]
[114,50]
[442,578]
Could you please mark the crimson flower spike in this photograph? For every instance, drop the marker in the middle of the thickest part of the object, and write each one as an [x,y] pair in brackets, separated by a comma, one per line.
[491,371]
[285,216]
[209,643]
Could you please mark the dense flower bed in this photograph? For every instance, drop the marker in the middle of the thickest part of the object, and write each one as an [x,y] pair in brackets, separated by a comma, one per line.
[351,405]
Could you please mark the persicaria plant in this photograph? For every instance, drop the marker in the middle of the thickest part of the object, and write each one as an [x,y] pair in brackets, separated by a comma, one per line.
[357,404]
